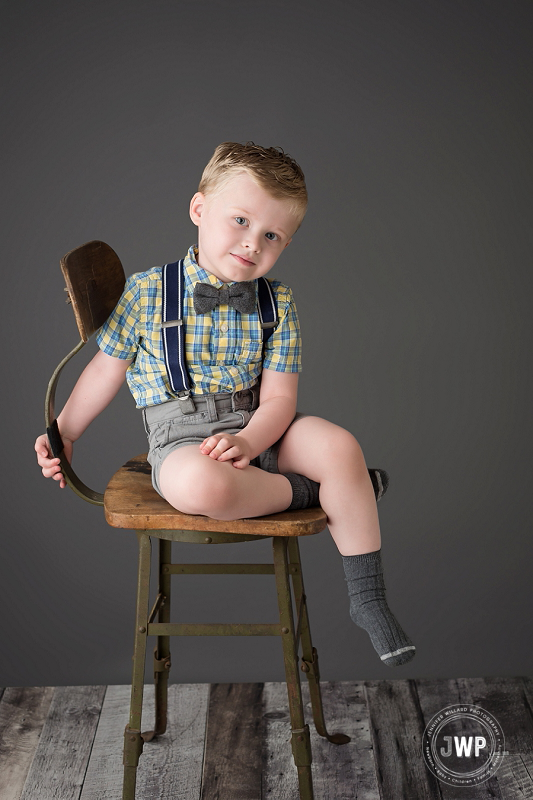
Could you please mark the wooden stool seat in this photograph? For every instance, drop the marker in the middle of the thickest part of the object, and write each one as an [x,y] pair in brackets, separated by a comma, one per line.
[130,501]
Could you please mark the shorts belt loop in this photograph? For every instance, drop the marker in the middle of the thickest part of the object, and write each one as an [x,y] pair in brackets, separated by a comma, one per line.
[211,408]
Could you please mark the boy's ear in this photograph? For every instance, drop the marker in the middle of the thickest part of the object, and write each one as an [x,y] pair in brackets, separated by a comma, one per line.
[196,207]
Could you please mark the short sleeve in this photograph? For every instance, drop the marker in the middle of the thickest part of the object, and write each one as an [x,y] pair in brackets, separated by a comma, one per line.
[283,351]
[118,336]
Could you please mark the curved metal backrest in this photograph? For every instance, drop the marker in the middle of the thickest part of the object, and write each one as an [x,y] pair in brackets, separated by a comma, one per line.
[95,279]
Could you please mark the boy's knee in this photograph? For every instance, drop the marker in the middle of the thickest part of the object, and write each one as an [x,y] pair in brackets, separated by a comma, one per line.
[343,446]
[216,498]
[203,487]
[340,440]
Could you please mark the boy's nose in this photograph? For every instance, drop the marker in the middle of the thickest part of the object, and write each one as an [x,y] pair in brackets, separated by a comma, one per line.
[252,243]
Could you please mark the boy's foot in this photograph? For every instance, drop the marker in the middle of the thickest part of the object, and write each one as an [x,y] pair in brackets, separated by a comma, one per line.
[369,609]
[305,491]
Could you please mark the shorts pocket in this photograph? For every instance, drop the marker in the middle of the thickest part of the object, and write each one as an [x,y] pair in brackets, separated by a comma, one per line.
[158,434]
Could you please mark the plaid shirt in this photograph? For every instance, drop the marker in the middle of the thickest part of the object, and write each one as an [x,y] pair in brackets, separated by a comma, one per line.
[223,349]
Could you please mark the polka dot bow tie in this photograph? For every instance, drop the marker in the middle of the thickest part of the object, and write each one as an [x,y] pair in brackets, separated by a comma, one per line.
[240,296]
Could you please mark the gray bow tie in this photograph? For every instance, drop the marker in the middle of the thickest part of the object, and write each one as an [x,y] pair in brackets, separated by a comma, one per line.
[241,296]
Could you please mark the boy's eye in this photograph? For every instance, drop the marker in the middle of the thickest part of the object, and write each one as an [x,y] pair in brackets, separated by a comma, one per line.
[240,220]
[271,236]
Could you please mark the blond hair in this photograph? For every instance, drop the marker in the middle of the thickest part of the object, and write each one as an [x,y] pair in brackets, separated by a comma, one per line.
[270,167]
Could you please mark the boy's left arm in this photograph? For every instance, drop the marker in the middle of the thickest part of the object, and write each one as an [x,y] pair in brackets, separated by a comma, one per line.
[277,407]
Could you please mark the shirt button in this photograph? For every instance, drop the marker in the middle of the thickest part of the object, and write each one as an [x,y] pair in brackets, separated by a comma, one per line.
[224,327]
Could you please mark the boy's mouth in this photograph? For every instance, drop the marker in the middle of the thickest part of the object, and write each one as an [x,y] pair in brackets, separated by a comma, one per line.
[245,261]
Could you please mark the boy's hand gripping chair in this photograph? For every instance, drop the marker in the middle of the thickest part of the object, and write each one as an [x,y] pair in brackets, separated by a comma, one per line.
[95,280]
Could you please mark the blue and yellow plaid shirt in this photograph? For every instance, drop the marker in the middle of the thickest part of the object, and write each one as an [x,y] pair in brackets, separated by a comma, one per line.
[223,349]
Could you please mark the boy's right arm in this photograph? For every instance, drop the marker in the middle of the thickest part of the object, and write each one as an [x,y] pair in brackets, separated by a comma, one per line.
[97,385]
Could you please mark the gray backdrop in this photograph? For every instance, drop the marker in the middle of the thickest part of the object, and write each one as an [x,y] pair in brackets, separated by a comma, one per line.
[412,274]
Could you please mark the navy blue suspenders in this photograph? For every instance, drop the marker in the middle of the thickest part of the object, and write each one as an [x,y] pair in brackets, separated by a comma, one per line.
[267,307]
[173,328]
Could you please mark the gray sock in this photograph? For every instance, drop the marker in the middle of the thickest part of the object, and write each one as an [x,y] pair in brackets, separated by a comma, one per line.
[369,609]
[304,491]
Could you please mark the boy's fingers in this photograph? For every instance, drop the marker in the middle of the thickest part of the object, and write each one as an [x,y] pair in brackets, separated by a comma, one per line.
[232,452]
[227,455]
[61,479]
[50,470]
[223,444]
[241,463]
[47,463]
[208,444]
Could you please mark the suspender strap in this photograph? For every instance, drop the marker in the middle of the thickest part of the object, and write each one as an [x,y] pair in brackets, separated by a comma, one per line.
[268,308]
[174,333]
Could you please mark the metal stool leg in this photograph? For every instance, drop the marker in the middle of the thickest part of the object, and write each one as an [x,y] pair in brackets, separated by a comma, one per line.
[162,650]
[162,660]
[309,653]
[301,743]
[133,743]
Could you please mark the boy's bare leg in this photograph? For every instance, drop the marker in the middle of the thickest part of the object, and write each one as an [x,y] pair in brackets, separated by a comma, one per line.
[196,484]
[331,456]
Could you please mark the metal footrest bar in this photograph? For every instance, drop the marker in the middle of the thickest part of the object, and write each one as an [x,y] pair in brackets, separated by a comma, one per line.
[222,569]
[216,629]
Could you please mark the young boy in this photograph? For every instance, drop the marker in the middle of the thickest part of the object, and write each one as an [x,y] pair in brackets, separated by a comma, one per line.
[234,446]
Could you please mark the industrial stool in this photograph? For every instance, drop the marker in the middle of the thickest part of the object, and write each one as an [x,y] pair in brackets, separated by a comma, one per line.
[131,502]
[95,280]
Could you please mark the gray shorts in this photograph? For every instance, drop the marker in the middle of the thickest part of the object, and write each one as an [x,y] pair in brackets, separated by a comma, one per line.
[168,428]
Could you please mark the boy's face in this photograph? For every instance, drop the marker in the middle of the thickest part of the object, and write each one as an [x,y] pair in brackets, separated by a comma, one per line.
[242,229]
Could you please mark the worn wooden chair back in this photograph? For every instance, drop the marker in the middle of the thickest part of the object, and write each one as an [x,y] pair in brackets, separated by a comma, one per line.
[95,280]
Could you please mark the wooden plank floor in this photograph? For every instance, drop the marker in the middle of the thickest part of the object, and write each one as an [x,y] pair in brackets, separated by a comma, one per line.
[231,741]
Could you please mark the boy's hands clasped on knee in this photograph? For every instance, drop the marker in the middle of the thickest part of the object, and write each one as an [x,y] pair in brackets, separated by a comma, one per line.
[227,447]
